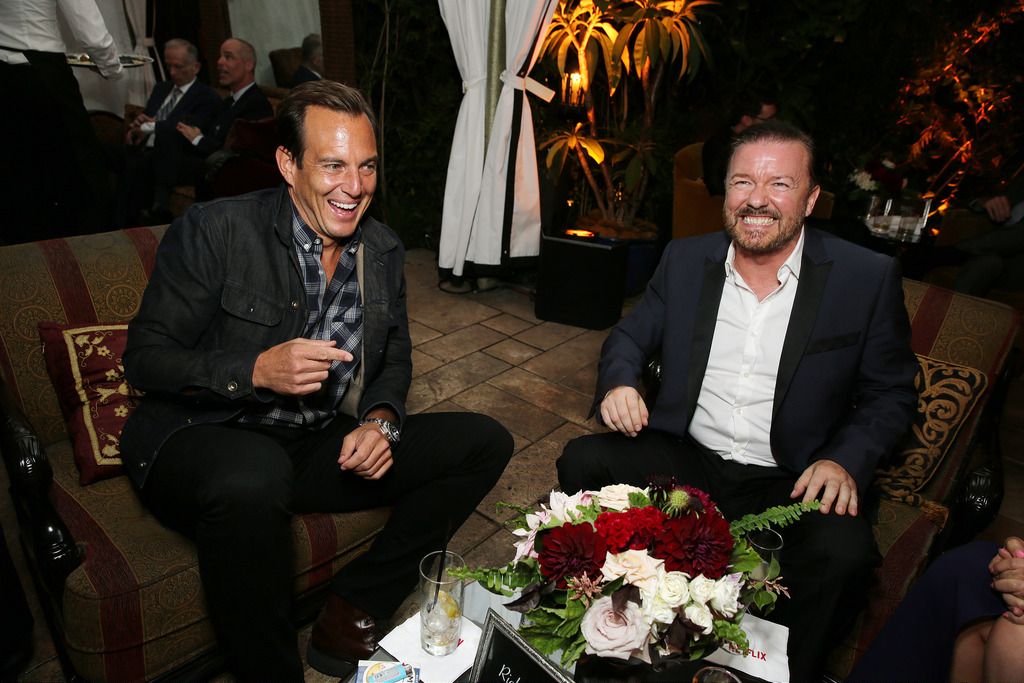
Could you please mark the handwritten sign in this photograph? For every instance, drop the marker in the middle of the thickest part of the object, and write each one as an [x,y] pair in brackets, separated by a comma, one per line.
[505,657]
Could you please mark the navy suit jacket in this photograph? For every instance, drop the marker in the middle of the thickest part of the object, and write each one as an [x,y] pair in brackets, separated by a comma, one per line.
[196,107]
[303,75]
[251,106]
[845,386]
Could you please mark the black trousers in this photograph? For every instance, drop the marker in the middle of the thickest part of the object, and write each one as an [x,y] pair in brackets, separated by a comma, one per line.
[234,489]
[826,560]
[54,181]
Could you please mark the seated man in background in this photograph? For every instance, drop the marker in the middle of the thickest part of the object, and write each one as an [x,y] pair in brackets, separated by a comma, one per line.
[181,98]
[174,163]
[996,257]
[273,346]
[312,67]
[750,110]
[786,374]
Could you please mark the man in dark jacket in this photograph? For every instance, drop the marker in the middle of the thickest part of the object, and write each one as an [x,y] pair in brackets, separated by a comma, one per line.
[787,374]
[312,66]
[175,163]
[273,347]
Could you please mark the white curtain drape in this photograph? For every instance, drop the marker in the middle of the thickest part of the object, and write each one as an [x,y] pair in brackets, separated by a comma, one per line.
[492,199]
[467,29]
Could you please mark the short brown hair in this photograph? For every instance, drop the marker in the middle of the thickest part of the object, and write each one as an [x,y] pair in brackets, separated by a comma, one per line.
[775,130]
[291,113]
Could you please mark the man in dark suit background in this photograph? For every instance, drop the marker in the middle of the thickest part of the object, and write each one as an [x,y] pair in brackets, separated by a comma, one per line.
[786,374]
[181,98]
[312,67]
[177,164]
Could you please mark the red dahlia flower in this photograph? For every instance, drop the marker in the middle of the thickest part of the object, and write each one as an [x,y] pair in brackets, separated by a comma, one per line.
[571,550]
[631,529]
[695,544]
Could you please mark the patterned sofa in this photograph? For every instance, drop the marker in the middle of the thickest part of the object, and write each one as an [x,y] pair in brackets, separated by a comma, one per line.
[941,488]
[121,592]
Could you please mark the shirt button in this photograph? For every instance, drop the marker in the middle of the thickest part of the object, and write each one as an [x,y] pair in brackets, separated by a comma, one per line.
[295,305]
[232,386]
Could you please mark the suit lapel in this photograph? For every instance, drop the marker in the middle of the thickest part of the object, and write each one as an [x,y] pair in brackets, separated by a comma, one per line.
[814,269]
[704,327]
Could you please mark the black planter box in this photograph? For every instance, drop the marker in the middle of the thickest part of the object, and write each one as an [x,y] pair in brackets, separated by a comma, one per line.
[581,281]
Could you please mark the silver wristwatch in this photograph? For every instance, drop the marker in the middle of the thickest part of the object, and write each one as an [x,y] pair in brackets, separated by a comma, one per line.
[388,428]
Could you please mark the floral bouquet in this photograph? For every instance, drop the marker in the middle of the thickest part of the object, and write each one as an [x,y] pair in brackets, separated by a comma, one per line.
[652,574]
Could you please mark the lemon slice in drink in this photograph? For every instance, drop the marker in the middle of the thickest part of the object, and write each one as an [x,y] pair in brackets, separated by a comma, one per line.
[446,602]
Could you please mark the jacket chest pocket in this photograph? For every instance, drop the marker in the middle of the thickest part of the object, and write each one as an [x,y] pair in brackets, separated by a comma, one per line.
[251,306]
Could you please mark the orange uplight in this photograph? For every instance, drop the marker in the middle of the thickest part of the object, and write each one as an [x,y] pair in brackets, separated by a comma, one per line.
[576,232]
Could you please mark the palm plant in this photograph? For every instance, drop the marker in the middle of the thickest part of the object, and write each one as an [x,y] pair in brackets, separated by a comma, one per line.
[625,41]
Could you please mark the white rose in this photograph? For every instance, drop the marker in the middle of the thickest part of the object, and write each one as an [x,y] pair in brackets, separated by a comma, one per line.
[702,589]
[656,611]
[639,568]
[673,589]
[614,634]
[726,600]
[699,615]
[563,507]
[616,496]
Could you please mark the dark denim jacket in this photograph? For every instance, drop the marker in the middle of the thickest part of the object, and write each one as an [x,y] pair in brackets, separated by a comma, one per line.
[226,287]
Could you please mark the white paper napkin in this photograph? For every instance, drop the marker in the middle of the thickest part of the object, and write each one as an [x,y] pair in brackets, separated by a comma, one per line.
[766,658]
[403,643]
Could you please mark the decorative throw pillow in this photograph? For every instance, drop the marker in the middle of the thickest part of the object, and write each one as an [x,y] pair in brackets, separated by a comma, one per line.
[84,364]
[947,394]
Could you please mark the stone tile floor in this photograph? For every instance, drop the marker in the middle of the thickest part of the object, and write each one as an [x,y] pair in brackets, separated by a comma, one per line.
[488,353]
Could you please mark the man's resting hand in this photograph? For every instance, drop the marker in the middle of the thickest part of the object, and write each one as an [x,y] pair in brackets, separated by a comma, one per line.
[296,367]
[365,450]
[833,482]
[624,410]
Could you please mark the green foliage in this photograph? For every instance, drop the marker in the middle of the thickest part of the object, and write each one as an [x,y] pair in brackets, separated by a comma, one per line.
[638,499]
[780,516]
[504,580]
[734,633]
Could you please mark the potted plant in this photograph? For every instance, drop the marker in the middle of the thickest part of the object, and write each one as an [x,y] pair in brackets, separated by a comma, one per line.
[604,50]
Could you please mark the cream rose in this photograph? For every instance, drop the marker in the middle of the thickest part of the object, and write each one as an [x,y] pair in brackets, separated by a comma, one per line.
[639,568]
[726,600]
[673,589]
[702,589]
[615,634]
[700,616]
[616,496]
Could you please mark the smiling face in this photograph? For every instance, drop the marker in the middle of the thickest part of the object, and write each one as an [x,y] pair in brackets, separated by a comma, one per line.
[235,65]
[334,184]
[768,194]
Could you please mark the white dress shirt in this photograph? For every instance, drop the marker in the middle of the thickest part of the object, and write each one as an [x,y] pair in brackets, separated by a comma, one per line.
[32,25]
[733,416]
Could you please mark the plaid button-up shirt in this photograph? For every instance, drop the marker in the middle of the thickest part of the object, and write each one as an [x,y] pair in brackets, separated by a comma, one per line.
[335,312]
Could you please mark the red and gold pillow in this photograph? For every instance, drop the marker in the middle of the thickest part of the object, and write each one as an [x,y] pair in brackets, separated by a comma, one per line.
[84,364]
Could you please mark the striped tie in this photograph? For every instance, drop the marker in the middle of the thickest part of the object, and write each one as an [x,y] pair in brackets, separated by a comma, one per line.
[168,106]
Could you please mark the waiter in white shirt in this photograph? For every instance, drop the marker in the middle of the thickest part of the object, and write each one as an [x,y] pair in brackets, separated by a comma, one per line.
[60,184]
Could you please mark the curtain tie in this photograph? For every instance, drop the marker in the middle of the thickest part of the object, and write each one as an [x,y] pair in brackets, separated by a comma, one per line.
[529,85]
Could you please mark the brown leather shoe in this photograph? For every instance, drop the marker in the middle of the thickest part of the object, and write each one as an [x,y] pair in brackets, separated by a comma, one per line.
[342,635]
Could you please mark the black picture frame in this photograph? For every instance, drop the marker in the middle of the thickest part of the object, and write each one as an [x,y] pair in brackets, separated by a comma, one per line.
[505,656]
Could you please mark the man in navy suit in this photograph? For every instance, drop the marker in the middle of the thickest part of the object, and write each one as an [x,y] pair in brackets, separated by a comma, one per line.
[786,374]
[181,98]
[177,163]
